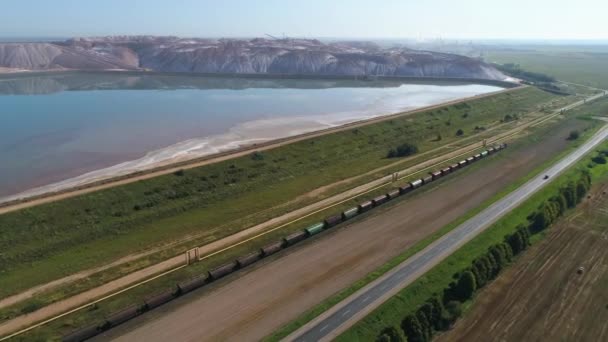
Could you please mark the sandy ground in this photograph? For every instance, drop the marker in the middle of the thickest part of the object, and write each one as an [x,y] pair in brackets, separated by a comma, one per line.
[275,293]
[166,169]
[541,297]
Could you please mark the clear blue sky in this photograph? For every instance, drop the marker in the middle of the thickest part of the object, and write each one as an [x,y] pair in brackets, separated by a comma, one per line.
[533,19]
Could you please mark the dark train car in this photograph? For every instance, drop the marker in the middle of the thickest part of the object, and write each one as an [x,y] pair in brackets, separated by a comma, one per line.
[82,334]
[249,259]
[455,166]
[350,213]
[427,179]
[405,189]
[393,194]
[436,175]
[192,284]
[491,150]
[273,248]
[379,200]
[123,316]
[332,220]
[296,237]
[365,206]
[477,156]
[223,270]
[159,299]
[417,183]
[470,160]
[446,171]
[462,163]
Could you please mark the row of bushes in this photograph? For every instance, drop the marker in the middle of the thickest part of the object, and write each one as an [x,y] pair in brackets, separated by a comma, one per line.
[440,311]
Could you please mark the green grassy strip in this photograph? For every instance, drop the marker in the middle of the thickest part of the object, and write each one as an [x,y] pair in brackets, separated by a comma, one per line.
[438,278]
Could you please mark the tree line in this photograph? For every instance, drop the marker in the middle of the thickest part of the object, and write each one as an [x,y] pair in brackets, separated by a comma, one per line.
[441,310]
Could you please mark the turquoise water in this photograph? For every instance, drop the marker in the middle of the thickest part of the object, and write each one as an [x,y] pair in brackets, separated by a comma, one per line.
[59,127]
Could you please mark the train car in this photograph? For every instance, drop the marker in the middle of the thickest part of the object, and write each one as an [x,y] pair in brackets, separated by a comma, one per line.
[192,284]
[296,237]
[123,316]
[462,163]
[159,299]
[455,166]
[416,184]
[491,150]
[272,248]
[436,175]
[223,270]
[446,171]
[470,160]
[427,179]
[484,154]
[477,156]
[249,259]
[405,189]
[503,146]
[317,228]
[393,194]
[82,334]
[350,213]
[365,206]
[332,220]
[379,200]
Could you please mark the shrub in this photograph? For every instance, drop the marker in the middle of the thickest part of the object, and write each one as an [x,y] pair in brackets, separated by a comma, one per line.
[599,159]
[573,135]
[179,173]
[257,156]
[459,132]
[403,150]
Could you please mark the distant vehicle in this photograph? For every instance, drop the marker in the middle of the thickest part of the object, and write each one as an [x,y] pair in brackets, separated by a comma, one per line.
[546,177]
[580,270]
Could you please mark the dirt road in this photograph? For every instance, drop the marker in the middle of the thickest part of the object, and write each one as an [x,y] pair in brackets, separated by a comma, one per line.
[277,292]
[541,297]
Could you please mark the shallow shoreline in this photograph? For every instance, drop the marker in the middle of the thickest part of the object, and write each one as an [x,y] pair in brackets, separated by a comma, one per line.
[28,198]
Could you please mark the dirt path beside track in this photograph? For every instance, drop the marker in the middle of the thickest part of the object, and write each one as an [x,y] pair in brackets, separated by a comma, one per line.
[276,292]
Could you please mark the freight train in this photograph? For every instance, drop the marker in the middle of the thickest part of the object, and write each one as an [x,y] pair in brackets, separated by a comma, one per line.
[182,288]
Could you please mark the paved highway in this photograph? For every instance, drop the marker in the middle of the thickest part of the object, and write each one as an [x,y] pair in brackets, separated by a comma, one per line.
[349,311]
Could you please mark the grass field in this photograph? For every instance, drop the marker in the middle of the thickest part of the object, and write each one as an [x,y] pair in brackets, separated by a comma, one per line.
[409,299]
[542,297]
[577,64]
[73,234]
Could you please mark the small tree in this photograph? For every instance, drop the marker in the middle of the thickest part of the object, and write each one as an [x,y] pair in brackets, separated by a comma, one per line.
[390,334]
[459,133]
[454,310]
[573,135]
[412,329]
[466,286]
